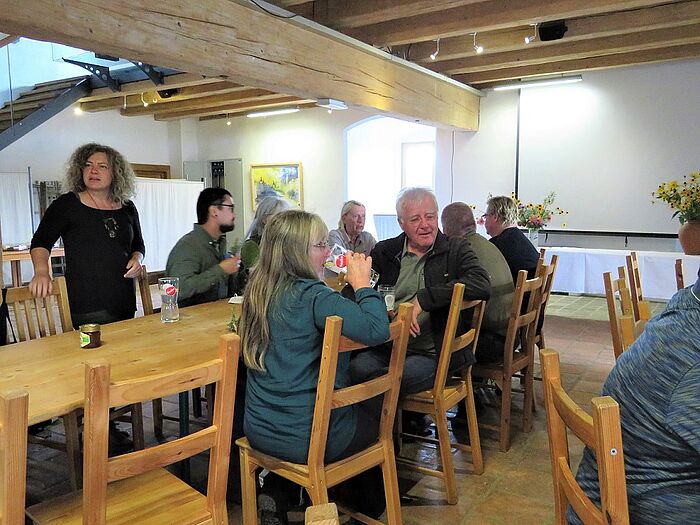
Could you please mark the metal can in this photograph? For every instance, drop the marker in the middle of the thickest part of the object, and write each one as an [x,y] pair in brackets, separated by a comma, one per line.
[90,335]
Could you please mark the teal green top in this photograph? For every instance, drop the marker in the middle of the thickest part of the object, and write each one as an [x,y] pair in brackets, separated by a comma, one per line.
[280,402]
[250,252]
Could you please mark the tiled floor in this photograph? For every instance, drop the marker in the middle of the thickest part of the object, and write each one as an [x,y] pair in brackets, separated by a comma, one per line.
[516,487]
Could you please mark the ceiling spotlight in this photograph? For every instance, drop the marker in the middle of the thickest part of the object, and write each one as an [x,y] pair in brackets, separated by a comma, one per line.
[124,106]
[145,104]
[477,48]
[434,55]
[533,36]
[77,110]
[228,119]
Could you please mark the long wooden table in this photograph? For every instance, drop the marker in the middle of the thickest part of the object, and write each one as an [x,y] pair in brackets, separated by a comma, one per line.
[52,369]
[15,258]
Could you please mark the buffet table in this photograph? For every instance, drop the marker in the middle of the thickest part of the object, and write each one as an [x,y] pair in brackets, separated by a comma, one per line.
[580,270]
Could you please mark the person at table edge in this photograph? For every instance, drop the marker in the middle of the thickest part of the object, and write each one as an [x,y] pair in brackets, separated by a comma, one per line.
[200,258]
[350,233]
[423,264]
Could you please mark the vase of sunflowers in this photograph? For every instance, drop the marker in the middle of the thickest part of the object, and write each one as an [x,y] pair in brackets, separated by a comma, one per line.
[684,197]
[536,216]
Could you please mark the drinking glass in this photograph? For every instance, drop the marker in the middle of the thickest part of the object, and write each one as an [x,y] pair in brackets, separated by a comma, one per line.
[388,294]
[169,286]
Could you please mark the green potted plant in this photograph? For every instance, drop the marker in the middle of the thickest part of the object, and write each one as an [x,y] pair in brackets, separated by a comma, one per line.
[684,197]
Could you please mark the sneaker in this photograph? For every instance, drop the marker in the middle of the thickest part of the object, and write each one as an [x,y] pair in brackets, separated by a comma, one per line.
[272,510]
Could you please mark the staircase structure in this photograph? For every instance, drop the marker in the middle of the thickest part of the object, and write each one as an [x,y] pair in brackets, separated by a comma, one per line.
[36,106]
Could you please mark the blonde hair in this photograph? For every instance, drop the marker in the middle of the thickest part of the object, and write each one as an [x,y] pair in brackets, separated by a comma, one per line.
[284,257]
[504,208]
[123,184]
[346,209]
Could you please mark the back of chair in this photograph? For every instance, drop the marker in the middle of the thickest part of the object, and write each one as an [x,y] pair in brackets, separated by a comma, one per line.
[601,433]
[101,394]
[453,342]
[680,282]
[388,384]
[144,290]
[14,410]
[523,320]
[639,305]
[623,328]
[547,273]
[35,317]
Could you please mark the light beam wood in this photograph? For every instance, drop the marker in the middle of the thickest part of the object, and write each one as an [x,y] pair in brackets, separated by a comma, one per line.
[484,16]
[548,53]
[228,37]
[569,66]
[237,108]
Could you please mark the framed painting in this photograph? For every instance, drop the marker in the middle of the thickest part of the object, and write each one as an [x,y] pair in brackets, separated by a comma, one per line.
[281,180]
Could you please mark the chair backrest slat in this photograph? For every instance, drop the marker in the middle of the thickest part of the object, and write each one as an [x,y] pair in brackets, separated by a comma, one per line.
[640,307]
[14,410]
[680,281]
[101,394]
[144,290]
[34,317]
[451,342]
[624,330]
[602,433]
[327,398]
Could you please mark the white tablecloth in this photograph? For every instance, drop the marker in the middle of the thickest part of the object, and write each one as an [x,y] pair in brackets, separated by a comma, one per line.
[580,270]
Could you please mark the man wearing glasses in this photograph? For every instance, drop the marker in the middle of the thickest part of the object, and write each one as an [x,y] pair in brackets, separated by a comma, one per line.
[206,271]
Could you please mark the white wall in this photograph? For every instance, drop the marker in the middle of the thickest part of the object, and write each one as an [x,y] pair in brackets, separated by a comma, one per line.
[312,137]
[47,149]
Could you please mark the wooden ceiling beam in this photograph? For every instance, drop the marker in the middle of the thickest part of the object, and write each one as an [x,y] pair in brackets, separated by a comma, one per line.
[179,80]
[239,107]
[554,52]
[233,114]
[622,22]
[488,15]
[7,39]
[161,108]
[576,66]
[184,93]
[232,39]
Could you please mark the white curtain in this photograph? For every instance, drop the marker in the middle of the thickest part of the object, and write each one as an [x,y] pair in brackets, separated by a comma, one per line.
[15,214]
[167,209]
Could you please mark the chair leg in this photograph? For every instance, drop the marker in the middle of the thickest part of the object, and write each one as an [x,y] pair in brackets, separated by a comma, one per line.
[248,492]
[318,491]
[448,468]
[196,402]
[75,470]
[473,426]
[391,487]
[137,426]
[505,415]
[529,399]
[158,418]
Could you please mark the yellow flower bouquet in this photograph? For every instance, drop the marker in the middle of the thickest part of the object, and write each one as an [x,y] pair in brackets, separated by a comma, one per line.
[537,216]
[684,197]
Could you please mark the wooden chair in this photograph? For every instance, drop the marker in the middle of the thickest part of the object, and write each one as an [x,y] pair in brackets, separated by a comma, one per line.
[623,328]
[14,408]
[143,282]
[601,433]
[34,318]
[315,476]
[680,282]
[447,392]
[134,488]
[641,309]
[324,514]
[523,322]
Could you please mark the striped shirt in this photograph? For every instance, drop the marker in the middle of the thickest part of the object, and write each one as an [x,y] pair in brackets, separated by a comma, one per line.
[657,384]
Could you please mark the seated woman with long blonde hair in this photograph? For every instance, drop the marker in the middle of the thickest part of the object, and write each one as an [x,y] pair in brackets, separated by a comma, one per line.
[285,306]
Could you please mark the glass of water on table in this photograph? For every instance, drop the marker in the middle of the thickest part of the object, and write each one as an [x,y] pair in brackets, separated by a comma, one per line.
[388,293]
[169,287]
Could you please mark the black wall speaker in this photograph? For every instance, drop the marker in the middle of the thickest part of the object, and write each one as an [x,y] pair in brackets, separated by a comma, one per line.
[553,30]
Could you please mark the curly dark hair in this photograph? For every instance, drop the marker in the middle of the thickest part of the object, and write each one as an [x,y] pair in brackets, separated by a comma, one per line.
[123,179]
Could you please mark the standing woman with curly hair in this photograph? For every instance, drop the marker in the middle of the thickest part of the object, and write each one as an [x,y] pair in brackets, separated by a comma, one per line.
[101,235]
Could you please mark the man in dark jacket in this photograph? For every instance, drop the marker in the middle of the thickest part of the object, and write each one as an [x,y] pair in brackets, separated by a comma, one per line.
[423,265]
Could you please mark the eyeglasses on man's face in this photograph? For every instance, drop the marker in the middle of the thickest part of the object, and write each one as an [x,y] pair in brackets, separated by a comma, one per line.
[232,206]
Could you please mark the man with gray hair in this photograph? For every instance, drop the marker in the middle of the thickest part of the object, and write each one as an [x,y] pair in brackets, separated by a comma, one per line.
[458,221]
[350,234]
[501,221]
[423,265]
